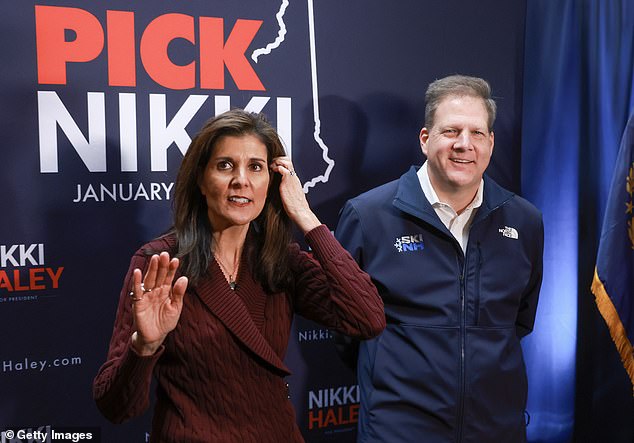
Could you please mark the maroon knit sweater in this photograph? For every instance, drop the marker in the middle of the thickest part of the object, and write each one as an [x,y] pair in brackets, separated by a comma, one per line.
[220,372]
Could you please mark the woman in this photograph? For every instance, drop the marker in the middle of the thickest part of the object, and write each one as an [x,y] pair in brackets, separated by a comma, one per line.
[207,308]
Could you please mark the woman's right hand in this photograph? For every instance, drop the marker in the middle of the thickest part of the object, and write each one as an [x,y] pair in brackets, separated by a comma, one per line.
[293,196]
[156,304]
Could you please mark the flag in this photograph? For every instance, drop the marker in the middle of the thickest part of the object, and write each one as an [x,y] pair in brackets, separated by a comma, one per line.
[613,283]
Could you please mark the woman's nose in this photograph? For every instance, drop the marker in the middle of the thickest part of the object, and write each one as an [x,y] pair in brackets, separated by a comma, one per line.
[240,177]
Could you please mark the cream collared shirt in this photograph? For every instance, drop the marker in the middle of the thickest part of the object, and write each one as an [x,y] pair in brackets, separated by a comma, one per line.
[458,224]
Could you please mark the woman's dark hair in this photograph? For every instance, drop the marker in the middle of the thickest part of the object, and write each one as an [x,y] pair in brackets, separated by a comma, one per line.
[269,235]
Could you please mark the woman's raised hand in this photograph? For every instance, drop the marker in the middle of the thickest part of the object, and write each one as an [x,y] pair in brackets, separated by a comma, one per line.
[293,197]
[156,304]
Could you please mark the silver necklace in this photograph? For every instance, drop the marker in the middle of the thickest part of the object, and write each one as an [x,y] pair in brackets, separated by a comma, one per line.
[229,276]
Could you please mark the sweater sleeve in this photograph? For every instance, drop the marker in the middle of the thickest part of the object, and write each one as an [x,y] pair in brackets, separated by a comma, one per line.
[122,385]
[331,289]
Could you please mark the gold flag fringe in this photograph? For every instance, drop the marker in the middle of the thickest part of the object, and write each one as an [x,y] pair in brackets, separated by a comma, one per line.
[617,331]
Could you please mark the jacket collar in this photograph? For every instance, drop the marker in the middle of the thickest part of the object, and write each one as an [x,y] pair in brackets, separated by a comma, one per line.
[411,199]
[229,308]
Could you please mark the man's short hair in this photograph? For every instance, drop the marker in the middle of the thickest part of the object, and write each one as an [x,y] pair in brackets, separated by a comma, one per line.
[458,85]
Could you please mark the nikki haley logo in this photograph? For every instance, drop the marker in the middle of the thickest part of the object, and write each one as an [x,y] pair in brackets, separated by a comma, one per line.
[24,272]
[334,407]
[409,243]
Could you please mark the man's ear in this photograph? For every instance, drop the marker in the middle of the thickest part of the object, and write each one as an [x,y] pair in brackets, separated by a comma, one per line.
[423,137]
[492,141]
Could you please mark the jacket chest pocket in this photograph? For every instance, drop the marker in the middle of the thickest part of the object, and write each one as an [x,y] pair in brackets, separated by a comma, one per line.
[496,281]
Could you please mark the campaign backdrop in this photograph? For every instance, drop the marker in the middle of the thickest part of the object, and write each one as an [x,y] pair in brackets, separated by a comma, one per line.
[98,103]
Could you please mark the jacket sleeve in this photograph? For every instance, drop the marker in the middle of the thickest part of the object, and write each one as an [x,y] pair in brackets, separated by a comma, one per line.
[349,233]
[528,304]
[122,385]
[331,289]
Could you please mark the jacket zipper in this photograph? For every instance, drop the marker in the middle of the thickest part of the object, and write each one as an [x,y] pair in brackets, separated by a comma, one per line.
[476,289]
[463,328]
[463,325]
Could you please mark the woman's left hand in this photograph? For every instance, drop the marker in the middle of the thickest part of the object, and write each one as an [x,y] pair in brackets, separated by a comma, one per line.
[293,197]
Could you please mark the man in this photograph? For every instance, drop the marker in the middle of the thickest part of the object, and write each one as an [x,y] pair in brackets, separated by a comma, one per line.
[458,262]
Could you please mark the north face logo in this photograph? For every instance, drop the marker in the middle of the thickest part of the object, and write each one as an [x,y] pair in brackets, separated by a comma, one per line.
[509,232]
